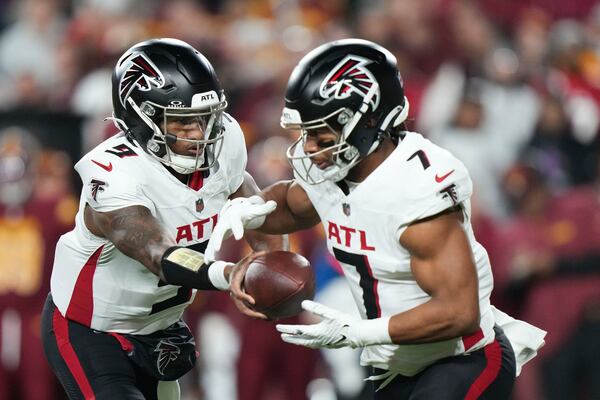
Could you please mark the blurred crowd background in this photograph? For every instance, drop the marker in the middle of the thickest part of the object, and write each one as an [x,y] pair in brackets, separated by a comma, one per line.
[511,87]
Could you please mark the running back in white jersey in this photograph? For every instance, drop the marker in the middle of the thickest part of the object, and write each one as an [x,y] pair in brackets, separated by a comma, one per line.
[363,229]
[92,282]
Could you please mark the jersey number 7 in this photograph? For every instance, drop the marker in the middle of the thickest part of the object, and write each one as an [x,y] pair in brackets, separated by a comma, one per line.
[367,282]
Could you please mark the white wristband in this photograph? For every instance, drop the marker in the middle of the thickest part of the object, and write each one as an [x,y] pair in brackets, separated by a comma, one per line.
[216,274]
[375,331]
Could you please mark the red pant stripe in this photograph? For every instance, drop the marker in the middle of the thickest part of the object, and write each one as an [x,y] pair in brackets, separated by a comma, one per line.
[61,332]
[493,356]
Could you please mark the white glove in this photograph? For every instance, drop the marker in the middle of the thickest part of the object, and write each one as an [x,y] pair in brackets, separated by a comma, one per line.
[235,216]
[336,330]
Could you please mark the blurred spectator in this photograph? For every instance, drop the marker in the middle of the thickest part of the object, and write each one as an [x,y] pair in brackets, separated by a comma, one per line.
[510,102]
[493,120]
[550,263]
[213,318]
[267,161]
[530,44]
[526,250]
[571,61]
[572,373]
[554,149]
[478,145]
[270,368]
[28,53]
[35,209]
[471,38]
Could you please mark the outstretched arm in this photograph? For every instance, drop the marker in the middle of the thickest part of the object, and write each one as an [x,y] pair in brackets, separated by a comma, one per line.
[139,235]
[283,207]
[259,240]
[294,210]
[135,232]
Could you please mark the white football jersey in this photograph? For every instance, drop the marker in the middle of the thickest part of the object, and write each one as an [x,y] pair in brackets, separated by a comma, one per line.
[419,179]
[92,282]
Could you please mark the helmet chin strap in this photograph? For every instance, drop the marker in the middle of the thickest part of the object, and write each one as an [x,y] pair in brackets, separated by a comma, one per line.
[336,173]
[117,122]
[147,120]
[364,107]
[178,163]
[339,170]
[403,114]
[398,114]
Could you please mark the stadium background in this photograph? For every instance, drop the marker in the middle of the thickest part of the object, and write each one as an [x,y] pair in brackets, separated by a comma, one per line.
[511,87]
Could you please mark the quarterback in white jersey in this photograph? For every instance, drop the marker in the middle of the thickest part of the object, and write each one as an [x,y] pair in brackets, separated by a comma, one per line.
[151,197]
[126,296]
[396,214]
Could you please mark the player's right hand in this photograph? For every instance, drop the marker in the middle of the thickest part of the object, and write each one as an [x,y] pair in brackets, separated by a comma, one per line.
[242,300]
[237,215]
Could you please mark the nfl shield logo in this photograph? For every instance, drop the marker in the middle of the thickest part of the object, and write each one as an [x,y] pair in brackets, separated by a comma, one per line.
[346,208]
[199,205]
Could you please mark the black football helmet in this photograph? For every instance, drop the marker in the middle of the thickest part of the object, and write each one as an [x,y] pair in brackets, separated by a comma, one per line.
[351,87]
[162,80]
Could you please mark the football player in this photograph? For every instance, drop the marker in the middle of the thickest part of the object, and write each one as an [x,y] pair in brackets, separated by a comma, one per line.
[112,326]
[396,214]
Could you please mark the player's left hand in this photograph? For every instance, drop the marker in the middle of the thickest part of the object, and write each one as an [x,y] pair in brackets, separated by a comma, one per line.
[336,329]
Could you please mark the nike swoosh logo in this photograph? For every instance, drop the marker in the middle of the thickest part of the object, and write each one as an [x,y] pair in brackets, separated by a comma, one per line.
[439,179]
[103,166]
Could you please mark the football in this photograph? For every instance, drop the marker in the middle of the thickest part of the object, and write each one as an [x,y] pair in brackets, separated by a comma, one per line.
[279,281]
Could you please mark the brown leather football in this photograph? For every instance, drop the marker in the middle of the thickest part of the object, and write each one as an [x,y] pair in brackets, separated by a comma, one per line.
[279,281]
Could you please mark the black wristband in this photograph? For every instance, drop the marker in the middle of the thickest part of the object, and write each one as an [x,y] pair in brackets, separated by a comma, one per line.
[185,267]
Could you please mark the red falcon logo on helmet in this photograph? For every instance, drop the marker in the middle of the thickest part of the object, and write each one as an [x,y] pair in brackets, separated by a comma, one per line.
[350,76]
[141,73]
